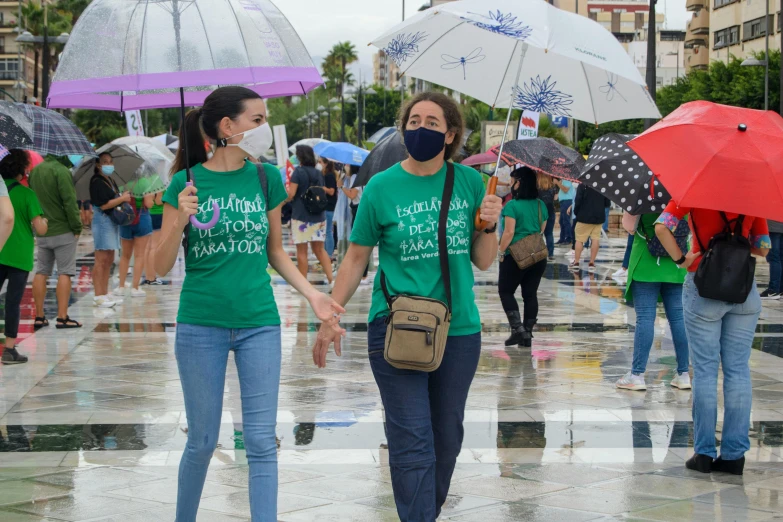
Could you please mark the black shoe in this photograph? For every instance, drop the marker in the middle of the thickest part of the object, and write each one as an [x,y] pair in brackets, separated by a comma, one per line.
[527,342]
[770,296]
[735,467]
[515,323]
[11,356]
[702,463]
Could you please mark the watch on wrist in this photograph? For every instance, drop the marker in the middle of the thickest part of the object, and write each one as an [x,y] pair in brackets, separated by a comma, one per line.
[681,260]
[491,230]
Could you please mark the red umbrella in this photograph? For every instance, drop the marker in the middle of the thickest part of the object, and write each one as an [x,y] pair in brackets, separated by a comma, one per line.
[718,157]
[481,159]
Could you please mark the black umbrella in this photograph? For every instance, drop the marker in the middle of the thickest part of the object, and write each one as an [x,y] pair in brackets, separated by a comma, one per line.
[545,155]
[617,172]
[16,129]
[387,153]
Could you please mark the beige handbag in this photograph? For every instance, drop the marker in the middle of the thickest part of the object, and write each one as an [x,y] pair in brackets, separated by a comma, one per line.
[418,327]
[530,249]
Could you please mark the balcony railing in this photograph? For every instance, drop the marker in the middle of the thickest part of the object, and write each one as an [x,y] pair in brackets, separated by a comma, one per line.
[699,59]
[695,5]
[700,24]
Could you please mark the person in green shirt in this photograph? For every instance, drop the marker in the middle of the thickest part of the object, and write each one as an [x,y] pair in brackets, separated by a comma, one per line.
[523,216]
[53,184]
[227,302]
[651,277]
[399,212]
[6,215]
[156,214]
[16,257]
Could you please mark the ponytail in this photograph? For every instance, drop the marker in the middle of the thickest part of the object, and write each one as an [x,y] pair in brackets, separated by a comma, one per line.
[195,143]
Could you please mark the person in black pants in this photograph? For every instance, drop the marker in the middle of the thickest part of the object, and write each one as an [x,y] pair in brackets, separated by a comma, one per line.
[354,195]
[16,257]
[524,215]
[546,193]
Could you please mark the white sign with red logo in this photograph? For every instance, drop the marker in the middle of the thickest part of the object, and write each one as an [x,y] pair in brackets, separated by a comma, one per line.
[528,125]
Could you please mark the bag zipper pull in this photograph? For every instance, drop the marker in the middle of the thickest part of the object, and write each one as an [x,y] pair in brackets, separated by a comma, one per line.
[429,338]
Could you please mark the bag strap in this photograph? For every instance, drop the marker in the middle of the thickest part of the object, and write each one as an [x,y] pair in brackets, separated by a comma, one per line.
[264,182]
[696,234]
[12,186]
[540,216]
[443,252]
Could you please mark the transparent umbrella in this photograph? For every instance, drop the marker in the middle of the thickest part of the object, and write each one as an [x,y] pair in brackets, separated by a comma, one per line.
[145,140]
[142,54]
[154,174]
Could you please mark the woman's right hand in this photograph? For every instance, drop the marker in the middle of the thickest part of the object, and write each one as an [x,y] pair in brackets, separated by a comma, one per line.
[126,197]
[188,205]
[326,336]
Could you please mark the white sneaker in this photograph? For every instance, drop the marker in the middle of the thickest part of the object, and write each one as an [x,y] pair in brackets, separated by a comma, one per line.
[682,381]
[103,301]
[631,382]
[621,274]
[128,285]
[116,297]
[138,292]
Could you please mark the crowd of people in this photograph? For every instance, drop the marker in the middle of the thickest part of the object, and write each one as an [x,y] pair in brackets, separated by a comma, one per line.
[406,212]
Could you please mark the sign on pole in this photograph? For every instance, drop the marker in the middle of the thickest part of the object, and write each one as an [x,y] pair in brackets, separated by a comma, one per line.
[281,144]
[528,125]
[133,119]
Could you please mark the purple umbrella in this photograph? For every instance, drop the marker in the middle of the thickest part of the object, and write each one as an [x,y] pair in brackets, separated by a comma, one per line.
[147,54]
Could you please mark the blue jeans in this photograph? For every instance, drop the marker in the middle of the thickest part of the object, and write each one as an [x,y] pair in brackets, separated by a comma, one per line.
[566,228]
[202,355]
[627,256]
[329,244]
[549,229]
[645,302]
[606,219]
[424,414]
[720,334]
[774,260]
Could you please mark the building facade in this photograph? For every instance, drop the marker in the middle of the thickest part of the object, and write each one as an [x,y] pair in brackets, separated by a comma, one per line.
[723,29]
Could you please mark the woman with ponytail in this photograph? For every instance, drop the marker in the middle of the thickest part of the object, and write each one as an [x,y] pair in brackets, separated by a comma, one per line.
[227,301]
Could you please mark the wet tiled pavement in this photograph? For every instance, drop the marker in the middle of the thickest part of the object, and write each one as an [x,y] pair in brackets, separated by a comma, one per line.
[93,427]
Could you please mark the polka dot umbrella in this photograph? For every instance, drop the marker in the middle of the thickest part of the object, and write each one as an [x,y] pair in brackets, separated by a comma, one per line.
[617,172]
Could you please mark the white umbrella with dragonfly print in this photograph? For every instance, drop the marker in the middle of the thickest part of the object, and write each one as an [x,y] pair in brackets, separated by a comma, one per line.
[524,54]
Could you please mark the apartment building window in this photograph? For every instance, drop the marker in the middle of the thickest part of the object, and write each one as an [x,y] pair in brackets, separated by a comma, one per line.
[726,37]
[753,29]
[2,44]
[721,3]
[8,68]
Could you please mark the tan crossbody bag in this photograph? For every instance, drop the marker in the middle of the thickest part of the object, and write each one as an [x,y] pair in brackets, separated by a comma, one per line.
[418,327]
[530,249]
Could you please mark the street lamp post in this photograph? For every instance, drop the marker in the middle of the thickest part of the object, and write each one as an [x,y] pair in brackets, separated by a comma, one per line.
[27,38]
[329,119]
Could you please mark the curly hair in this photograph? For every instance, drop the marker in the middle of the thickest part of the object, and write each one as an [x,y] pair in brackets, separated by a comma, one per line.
[15,164]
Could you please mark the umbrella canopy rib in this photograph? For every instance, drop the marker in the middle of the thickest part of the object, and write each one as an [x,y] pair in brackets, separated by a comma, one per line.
[505,74]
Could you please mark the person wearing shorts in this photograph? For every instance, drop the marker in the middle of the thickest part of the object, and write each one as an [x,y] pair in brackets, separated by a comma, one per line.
[156,215]
[54,188]
[135,242]
[308,228]
[85,212]
[589,207]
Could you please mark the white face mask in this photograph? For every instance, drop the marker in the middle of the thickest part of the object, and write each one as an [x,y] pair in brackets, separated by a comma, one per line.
[319,167]
[255,141]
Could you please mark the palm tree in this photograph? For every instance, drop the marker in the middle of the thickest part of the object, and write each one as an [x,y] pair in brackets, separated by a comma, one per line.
[33,20]
[335,68]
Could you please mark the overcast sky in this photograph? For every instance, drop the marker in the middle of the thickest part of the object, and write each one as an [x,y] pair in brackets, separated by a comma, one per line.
[323,23]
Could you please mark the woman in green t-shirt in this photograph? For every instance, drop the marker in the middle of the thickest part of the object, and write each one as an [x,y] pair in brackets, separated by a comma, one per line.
[399,212]
[227,301]
[524,215]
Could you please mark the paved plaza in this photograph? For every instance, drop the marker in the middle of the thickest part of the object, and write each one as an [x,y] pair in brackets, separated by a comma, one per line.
[93,427]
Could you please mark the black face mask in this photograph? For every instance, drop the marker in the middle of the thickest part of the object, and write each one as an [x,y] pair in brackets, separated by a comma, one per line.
[424,144]
[515,189]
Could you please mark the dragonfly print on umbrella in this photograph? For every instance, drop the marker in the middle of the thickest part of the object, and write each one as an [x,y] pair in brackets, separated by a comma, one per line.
[403,46]
[502,23]
[610,88]
[452,62]
[540,95]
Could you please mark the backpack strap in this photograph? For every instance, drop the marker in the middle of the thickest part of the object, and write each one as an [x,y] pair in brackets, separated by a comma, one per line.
[12,186]
[443,252]
[696,234]
[264,182]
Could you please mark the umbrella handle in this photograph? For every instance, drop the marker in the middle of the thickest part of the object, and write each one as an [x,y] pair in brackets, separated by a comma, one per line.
[491,191]
[212,222]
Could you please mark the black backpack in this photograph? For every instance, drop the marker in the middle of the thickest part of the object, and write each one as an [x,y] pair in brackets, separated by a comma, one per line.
[726,269]
[315,198]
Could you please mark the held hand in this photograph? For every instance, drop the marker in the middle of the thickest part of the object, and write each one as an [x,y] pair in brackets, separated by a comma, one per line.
[491,208]
[126,197]
[188,205]
[327,311]
[326,336]
[569,210]
[690,257]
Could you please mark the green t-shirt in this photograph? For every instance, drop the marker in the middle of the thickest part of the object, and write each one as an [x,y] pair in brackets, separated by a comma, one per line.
[645,268]
[226,282]
[156,210]
[400,212]
[525,214]
[18,250]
